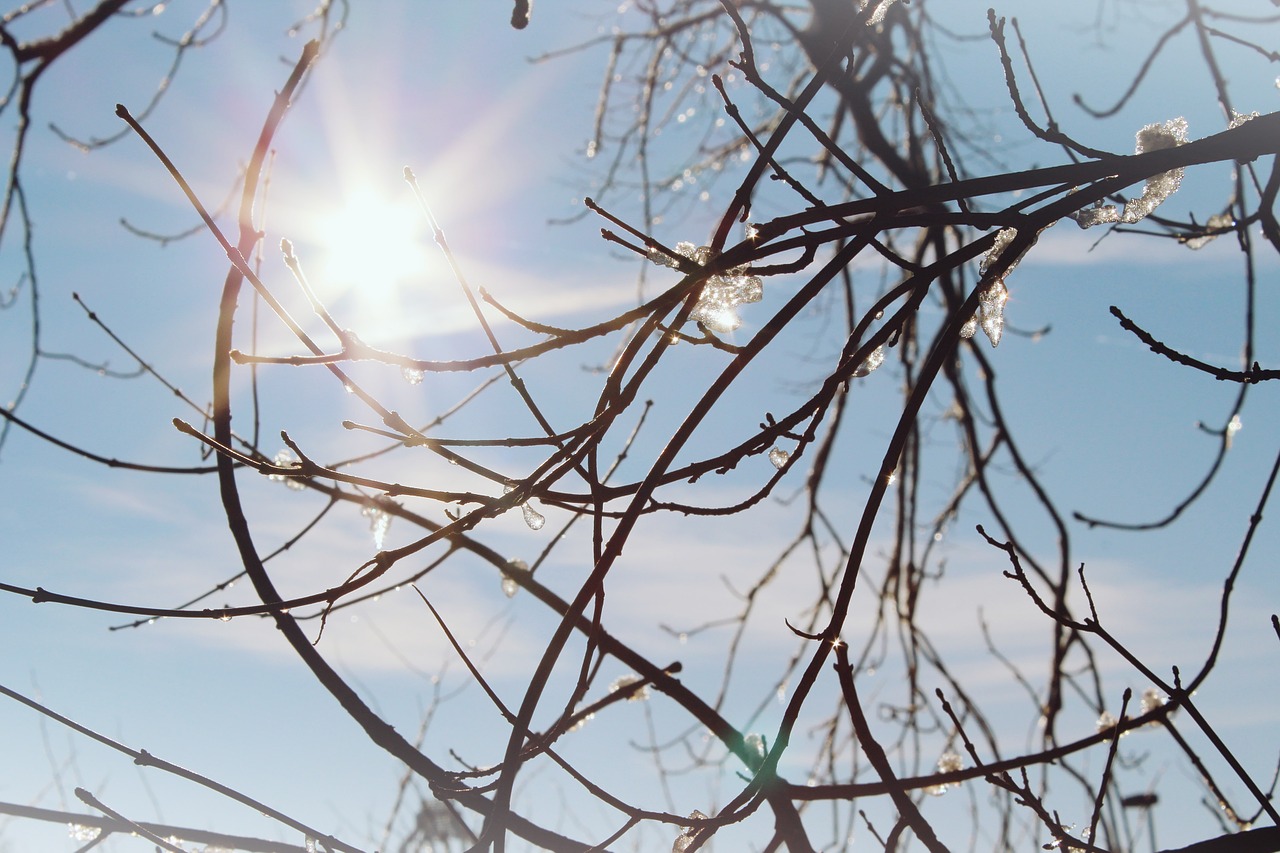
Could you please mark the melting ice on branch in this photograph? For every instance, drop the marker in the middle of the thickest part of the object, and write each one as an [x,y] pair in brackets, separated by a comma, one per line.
[779,457]
[1155,137]
[721,294]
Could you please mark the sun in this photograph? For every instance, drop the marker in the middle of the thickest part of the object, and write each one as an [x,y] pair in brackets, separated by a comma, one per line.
[370,245]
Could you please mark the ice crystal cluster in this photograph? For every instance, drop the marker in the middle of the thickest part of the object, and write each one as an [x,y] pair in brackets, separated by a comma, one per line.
[1238,119]
[717,306]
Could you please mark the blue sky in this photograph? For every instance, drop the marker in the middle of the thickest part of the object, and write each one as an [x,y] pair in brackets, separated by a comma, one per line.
[497,143]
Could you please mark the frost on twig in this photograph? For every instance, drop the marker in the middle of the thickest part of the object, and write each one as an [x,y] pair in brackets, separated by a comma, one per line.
[1155,137]
[722,293]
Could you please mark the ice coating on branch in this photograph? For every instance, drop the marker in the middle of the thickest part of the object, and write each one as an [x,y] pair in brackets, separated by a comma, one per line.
[412,375]
[686,837]
[286,459]
[1099,214]
[1217,222]
[755,744]
[779,457]
[1156,137]
[379,522]
[872,361]
[1238,119]
[716,308]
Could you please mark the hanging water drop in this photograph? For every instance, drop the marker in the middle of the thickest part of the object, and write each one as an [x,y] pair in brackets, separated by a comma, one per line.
[532,517]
